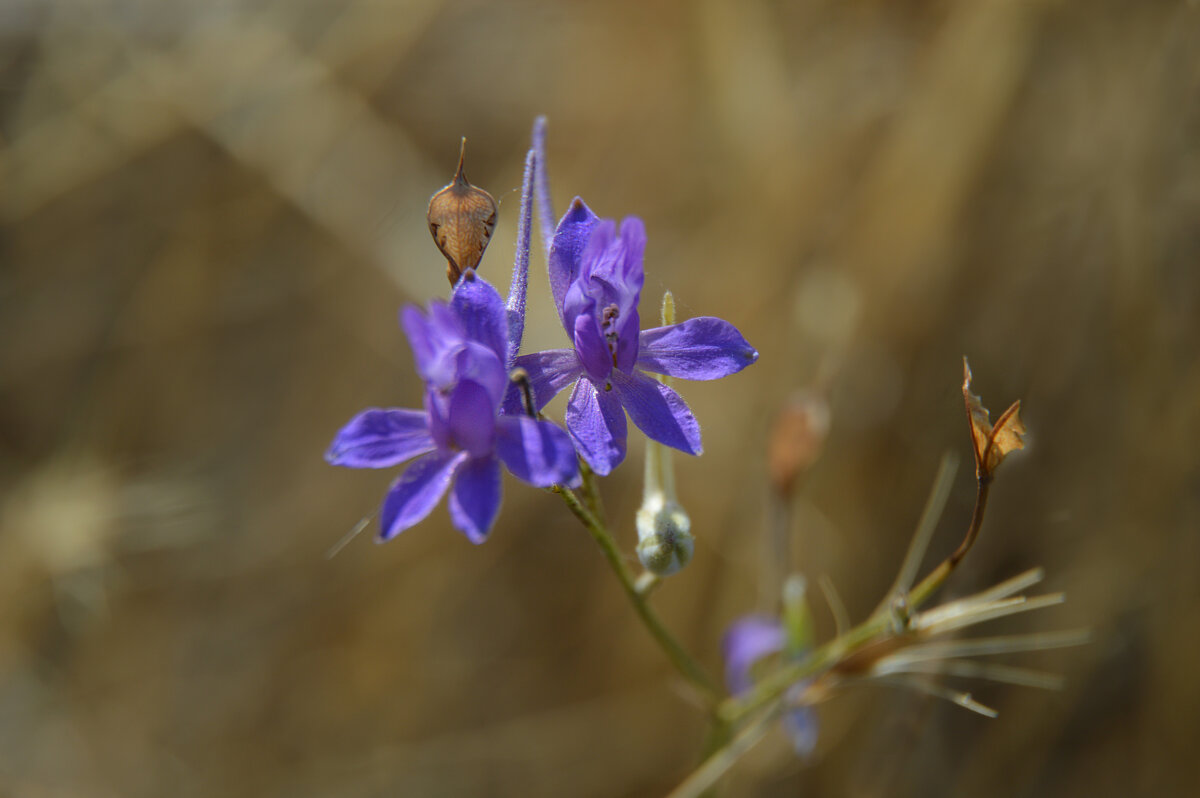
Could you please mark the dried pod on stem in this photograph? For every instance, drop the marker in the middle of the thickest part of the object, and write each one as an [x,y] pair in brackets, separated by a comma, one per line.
[461,218]
[992,443]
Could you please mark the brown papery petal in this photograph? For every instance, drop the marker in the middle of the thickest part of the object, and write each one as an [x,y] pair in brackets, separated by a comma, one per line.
[991,443]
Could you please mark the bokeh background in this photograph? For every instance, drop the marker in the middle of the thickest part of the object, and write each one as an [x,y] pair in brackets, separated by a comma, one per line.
[211,212]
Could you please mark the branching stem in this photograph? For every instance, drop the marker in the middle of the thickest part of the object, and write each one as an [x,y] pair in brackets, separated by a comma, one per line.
[735,711]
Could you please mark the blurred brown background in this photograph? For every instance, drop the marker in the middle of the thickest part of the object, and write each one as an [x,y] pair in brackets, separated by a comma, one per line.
[211,212]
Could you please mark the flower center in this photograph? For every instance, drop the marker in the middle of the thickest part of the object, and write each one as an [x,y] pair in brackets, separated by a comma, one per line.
[608,323]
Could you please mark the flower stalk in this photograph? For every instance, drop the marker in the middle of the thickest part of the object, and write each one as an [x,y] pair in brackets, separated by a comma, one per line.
[665,542]
[687,666]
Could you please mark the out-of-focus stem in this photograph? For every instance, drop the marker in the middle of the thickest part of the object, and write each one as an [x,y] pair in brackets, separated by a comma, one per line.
[736,710]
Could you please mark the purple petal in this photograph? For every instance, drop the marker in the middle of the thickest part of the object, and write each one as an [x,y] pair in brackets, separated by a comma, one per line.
[472,418]
[478,363]
[599,255]
[749,639]
[475,499]
[800,724]
[590,345]
[418,490]
[658,411]
[612,277]
[378,438]
[537,452]
[542,183]
[433,338]
[703,348]
[480,311]
[514,306]
[597,423]
[570,238]
[549,372]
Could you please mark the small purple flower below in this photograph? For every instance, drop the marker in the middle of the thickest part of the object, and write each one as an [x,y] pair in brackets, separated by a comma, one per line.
[460,438]
[748,640]
[596,277]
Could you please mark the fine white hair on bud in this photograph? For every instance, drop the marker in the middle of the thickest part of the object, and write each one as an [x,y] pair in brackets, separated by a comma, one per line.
[665,542]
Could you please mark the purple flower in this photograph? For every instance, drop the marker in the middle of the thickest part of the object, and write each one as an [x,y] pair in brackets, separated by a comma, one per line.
[460,438]
[750,639]
[596,279]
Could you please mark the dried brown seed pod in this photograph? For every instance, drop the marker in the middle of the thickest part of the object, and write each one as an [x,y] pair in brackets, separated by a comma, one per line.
[461,218]
[797,438]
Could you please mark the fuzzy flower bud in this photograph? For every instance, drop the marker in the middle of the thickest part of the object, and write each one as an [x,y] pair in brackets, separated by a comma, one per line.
[665,542]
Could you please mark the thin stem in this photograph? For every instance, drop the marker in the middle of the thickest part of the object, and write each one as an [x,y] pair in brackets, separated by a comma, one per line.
[680,658]
[591,492]
[771,688]
[723,757]
[931,583]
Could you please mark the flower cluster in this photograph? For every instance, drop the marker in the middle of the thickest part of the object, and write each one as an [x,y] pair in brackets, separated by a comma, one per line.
[476,417]
[596,277]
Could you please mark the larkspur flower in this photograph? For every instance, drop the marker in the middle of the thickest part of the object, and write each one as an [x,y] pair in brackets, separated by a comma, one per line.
[461,437]
[596,278]
[750,639]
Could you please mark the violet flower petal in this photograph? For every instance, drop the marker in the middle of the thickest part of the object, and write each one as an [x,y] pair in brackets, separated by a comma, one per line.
[478,363]
[658,411]
[591,346]
[537,452]
[475,498]
[381,438]
[749,639]
[570,238]
[472,418]
[418,490]
[703,348]
[480,311]
[433,339]
[800,724]
[597,424]
[549,372]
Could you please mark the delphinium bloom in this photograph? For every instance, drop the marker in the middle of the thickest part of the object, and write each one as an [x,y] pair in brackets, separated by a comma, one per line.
[461,437]
[750,639]
[596,278]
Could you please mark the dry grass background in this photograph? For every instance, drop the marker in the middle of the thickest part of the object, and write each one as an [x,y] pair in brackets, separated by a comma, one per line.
[211,211]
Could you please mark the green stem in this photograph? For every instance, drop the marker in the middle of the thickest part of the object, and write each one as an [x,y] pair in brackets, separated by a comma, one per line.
[680,658]
[881,623]
[591,492]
